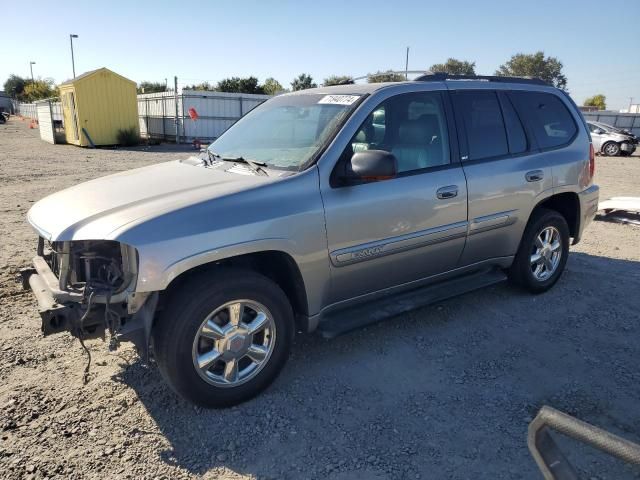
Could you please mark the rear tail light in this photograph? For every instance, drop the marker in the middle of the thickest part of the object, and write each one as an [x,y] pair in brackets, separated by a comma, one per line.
[592,161]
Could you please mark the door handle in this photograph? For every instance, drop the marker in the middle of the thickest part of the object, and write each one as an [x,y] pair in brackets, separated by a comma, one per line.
[450,191]
[534,175]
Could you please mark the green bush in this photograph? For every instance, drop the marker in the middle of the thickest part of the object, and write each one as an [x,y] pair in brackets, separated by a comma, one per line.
[128,137]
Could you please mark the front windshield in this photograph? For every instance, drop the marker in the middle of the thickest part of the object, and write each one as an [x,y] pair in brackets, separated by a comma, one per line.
[285,132]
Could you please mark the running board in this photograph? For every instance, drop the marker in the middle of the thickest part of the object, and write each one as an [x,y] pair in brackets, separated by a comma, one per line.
[348,319]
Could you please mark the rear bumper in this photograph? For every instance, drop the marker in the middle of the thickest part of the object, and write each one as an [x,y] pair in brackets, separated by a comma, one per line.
[588,208]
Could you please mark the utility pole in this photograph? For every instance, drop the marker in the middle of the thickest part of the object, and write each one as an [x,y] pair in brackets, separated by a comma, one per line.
[630,103]
[175,99]
[31,64]
[73,63]
[406,66]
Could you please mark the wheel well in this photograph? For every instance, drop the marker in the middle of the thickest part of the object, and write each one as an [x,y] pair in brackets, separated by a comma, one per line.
[278,266]
[566,204]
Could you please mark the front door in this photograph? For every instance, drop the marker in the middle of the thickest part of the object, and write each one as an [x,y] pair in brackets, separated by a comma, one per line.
[391,232]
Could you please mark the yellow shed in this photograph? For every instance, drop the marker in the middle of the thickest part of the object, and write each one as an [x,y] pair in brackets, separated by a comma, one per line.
[96,105]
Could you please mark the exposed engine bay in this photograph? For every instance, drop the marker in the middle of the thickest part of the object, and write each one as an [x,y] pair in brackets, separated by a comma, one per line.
[85,287]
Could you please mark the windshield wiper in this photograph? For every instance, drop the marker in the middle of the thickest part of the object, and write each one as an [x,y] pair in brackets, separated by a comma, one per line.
[256,167]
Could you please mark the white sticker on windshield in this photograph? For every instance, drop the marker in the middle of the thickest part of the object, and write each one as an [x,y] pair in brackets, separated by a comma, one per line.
[339,99]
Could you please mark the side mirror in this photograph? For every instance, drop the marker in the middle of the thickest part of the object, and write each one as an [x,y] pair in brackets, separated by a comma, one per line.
[371,165]
[599,131]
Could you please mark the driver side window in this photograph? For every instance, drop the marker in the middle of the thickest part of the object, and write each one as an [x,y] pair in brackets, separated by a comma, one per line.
[411,126]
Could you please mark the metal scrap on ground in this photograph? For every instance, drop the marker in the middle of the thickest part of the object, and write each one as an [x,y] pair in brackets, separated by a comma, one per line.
[620,210]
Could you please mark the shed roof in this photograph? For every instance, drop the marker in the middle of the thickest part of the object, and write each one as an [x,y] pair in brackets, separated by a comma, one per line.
[92,72]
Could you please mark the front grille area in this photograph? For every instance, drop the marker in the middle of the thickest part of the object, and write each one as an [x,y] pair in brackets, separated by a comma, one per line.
[77,264]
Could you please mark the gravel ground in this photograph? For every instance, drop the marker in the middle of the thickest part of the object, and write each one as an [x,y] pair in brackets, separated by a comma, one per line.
[443,392]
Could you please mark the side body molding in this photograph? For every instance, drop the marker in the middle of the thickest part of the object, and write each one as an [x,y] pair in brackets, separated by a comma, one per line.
[388,246]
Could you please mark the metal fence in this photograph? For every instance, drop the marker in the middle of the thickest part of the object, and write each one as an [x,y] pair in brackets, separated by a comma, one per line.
[29,110]
[627,121]
[202,115]
[158,117]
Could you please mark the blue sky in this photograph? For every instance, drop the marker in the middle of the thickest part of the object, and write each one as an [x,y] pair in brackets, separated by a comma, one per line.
[199,40]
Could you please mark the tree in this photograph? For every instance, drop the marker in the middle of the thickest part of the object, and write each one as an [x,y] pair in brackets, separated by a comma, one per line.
[239,85]
[548,69]
[454,66]
[387,76]
[39,90]
[302,82]
[272,87]
[204,86]
[599,101]
[15,85]
[151,87]
[337,80]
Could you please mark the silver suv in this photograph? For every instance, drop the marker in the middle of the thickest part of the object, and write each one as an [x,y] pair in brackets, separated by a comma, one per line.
[325,209]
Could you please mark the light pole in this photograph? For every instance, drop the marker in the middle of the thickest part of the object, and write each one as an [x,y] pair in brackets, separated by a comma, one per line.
[73,64]
[406,66]
[31,64]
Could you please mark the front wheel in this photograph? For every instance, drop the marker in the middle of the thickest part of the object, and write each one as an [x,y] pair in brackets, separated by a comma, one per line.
[543,252]
[611,149]
[223,337]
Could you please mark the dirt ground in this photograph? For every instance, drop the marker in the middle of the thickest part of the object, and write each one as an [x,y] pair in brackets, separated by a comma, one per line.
[443,392]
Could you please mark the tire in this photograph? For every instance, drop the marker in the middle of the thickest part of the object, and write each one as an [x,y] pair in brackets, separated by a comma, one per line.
[183,320]
[529,275]
[611,149]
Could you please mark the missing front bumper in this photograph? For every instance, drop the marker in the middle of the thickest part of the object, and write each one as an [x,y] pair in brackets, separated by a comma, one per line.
[56,317]
[59,316]
[69,316]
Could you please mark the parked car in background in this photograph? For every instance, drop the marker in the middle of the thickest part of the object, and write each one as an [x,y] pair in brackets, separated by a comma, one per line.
[612,141]
[329,209]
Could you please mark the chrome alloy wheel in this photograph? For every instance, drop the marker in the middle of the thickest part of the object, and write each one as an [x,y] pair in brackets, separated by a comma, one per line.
[234,343]
[546,253]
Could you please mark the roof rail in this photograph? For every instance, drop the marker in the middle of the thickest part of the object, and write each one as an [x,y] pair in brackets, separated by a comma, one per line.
[441,76]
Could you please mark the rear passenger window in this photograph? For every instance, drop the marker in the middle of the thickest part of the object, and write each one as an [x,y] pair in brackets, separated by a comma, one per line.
[480,112]
[515,131]
[547,116]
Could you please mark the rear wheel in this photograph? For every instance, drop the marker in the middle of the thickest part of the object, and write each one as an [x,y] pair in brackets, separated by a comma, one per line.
[543,252]
[224,337]
[611,149]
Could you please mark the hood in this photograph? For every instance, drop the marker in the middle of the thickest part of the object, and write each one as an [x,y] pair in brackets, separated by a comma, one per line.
[96,209]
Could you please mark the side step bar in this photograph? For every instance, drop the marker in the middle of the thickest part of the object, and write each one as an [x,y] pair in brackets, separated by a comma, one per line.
[348,319]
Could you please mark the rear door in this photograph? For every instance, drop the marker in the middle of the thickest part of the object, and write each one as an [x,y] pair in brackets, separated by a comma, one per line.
[504,169]
[392,232]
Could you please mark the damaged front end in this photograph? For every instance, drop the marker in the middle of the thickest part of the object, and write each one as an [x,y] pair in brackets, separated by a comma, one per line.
[87,287]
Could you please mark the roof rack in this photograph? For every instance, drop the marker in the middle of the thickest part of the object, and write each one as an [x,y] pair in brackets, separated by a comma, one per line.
[441,76]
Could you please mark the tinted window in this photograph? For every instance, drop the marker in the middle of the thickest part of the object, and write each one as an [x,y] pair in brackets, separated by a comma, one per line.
[515,131]
[480,112]
[547,116]
[412,126]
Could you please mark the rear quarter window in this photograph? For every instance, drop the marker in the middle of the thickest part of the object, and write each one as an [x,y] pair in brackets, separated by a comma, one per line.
[547,117]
